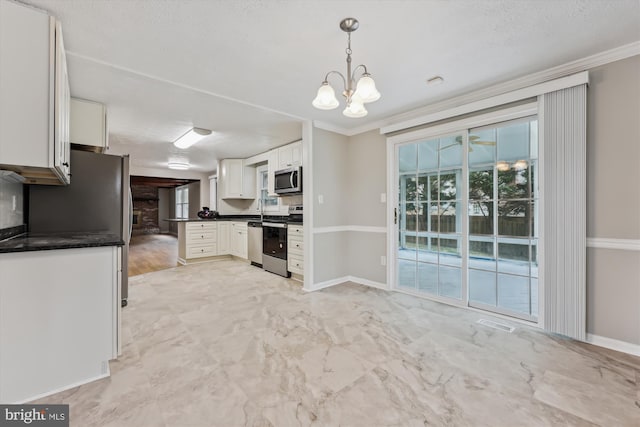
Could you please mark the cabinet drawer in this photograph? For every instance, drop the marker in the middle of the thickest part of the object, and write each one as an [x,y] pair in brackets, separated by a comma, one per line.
[296,229]
[204,236]
[295,265]
[201,226]
[295,246]
[239,226]
[201,251]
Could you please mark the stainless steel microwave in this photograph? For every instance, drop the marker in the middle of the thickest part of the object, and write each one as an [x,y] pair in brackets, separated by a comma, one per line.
[288,181]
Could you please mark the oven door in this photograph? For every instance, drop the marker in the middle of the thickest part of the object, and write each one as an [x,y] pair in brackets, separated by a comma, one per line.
[274,240]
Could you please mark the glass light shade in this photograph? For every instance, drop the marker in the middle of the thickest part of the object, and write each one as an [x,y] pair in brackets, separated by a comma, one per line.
[182,166]
[355,109]
[520,165]
[503,166]
[366,89]
[326,98]
[191,137]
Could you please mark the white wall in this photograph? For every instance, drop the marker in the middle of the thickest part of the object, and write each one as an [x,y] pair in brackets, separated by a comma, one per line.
[163,209]
[613,199]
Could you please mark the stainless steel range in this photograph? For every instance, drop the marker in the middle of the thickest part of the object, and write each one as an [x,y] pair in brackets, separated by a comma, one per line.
[274,247]
[274,241]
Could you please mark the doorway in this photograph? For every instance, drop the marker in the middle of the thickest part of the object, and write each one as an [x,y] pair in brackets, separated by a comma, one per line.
[467,209]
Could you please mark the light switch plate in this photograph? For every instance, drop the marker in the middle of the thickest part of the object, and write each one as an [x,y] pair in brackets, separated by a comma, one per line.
[383,197]
[320,199]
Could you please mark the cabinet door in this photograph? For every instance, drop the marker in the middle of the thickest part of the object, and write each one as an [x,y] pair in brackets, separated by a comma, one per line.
[61,110]
[25,73]
[285,157]
[296,153]
[243,244]
[87,121]
[272,166]
[234,240]
[232,177]
[223,238]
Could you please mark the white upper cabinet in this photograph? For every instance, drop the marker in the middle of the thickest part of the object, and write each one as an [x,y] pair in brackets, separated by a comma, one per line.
[88,121]
[272,166]
[290,155]
[235,180]
[34,105]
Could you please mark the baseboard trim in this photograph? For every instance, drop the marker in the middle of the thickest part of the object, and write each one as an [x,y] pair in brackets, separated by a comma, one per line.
[621,244]
[344,279]
[367,282]
[67,387]
[612,344]
[341,228]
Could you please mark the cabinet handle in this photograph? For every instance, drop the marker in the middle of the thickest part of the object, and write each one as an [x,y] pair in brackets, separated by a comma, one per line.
[297,246]
[65,164]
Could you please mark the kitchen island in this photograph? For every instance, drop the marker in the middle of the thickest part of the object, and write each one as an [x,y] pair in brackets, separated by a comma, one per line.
[59,311]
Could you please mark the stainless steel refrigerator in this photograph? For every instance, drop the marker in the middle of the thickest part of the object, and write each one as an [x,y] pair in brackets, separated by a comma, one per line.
[97,200]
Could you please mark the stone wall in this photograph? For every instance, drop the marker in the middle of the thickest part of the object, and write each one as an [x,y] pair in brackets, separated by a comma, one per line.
[145,207]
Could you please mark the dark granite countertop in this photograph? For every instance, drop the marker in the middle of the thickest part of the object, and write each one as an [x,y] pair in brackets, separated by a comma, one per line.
[42,242]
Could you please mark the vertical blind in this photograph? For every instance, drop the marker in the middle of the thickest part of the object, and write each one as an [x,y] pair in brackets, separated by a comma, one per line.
[564,119]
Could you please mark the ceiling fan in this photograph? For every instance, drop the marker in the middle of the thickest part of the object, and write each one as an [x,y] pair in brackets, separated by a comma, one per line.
[473,139]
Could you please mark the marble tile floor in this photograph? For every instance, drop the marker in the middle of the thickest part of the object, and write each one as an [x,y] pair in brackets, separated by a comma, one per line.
[227,344]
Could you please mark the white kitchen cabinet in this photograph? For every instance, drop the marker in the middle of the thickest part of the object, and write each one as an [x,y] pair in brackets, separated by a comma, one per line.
[272,166]
[224,230]
[295,249]
[235,180]
[88,124]
[238,240]
[60,319]
[290,155]
[213,192]
[34,105]
[197,239]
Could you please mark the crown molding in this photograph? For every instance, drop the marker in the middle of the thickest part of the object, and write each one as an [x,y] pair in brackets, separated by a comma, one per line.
[573,67]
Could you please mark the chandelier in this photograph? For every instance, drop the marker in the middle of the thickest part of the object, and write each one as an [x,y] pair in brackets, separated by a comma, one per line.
[365,90]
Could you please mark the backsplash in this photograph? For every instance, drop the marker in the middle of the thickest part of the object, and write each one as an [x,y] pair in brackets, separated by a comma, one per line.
[11,195]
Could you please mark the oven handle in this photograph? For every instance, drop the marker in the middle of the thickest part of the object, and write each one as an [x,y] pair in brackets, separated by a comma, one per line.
[274,224]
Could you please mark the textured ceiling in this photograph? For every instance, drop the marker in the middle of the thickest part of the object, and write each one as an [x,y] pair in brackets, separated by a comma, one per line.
[249,69]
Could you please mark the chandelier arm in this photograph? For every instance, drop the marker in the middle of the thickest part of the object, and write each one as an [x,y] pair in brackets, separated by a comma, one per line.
[344,81]
[353,75]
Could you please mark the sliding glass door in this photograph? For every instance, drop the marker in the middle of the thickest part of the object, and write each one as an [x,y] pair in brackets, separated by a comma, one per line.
[430,244]
[467,212]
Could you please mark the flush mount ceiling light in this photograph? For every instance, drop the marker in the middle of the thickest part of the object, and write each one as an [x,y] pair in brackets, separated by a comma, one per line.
[191,137]
[365,90]
[181,166]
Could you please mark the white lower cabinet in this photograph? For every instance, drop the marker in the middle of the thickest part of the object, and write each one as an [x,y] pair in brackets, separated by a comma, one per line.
[224,230]
[295,249]
[60,313]
[239,240]
[197,239]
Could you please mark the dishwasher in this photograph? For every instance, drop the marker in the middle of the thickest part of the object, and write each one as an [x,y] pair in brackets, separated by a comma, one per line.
[255,243]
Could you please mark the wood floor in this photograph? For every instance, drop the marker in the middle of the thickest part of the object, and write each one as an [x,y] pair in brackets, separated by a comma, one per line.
[152,252]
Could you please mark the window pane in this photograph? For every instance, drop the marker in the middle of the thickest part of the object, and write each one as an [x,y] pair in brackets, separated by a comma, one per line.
[447,217]
[481,217]
[513,218]
[450,151]
[481,255]
[428,155]
[450,251]
[481,184]
[428,278]
[423,216]
[428,250]
[406,274]
[450,282]
[513,293]
[407,158]
[513,258]
[513,142]
[407,246]
[534,260]
[434,187]
[482,287]
[448,186]
[513,183]
[408,188]
[423,188]
[482,147]
[408,216]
